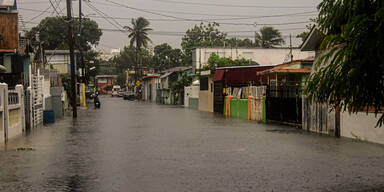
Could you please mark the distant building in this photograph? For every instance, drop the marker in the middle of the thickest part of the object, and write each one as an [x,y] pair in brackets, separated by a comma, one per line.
[105,55]
[60,60]
[259,56]
[105,84]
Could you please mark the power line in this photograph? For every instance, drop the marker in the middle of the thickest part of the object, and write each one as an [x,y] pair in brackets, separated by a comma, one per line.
[233,5]
[103,16]
[33,18]
[54,8]
[222,15]
[200,20]
[153,19]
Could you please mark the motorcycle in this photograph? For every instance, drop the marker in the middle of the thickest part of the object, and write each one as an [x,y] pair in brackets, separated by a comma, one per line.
[96,101]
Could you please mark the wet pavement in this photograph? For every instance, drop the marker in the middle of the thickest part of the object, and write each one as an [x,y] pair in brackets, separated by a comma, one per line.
[131,146]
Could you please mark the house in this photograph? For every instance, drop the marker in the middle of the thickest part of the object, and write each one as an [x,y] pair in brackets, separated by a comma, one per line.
[317,117]
[258,56]
[228,78]
[292,73]
[105,84]
[169,77]
[150,83]
[11,65]
[60,60]
[284,90]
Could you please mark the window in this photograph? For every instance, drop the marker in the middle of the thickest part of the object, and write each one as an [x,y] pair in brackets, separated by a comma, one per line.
[203,83]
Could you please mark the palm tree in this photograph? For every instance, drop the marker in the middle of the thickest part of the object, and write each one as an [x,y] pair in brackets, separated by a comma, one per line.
[138,33]
[268,37]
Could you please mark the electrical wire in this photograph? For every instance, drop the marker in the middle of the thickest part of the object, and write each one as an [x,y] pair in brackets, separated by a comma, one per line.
[38,15]
[202,20]
[226,15]
[233,5]
[171,20]
[103,16]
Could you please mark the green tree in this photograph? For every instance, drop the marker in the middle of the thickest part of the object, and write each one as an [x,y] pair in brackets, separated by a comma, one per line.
[303,35]
[53,33]
[350,74]
[166,57]
[201,35]
[138,34]
[214,61]
[127,58]
[268,37]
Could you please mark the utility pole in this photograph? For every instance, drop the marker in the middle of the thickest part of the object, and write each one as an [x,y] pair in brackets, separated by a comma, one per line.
[72,56]
[255,24]
[290,46]
[80,37]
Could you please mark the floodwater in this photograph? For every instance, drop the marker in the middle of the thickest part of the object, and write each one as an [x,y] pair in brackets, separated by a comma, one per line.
[132,146]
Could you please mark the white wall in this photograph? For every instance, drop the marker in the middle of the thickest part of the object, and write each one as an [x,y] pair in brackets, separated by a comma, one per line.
[262,56]
[191,92]
[361,126]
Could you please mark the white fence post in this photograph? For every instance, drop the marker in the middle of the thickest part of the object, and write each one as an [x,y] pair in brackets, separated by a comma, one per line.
[3,111]
[20,92]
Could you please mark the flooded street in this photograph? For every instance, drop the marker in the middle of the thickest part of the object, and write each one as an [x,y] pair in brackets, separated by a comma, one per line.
[143,147]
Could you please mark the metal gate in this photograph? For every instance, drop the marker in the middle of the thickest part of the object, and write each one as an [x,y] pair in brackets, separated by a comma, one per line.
[37,100]
[218,98]
[284,104]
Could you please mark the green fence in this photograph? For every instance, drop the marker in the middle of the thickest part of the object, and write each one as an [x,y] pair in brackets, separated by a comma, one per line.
[239,108]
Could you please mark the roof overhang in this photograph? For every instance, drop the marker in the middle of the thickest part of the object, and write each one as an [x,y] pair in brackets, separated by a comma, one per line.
[313,40]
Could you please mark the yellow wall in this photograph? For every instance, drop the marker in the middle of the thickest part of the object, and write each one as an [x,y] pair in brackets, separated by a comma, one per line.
[14,118]
[62,69]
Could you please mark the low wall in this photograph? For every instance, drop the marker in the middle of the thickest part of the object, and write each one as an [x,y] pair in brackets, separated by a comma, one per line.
[361,126]
[206,101]
[194,103]
[251,108]
[239,108]
[318,118]
[15,119]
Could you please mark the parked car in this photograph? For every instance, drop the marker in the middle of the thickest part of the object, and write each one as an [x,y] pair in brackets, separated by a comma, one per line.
[129,96]
[121,93]
[115,90]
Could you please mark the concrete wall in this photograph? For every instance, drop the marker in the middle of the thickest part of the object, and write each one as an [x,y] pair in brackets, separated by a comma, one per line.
[190,92]
[206,97]
[193,103]
[150,89]
[15,116]
[206,101]
[262,56]
[361,126]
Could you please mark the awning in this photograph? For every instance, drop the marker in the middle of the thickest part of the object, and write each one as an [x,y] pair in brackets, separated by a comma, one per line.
[166,75]
[219,75]
[197,82]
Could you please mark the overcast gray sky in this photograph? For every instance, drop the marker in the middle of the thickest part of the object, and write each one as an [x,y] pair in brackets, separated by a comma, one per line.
[171,18]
